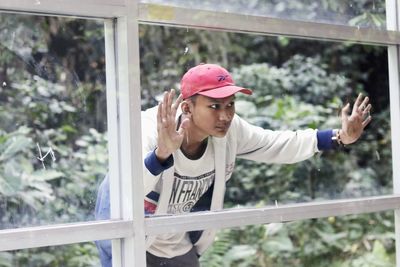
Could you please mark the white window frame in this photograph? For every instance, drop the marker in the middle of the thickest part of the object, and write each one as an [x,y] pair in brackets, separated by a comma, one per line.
[393,24]
[128,227]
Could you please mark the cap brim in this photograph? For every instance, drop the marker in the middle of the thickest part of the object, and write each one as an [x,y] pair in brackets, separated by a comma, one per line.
[225,91]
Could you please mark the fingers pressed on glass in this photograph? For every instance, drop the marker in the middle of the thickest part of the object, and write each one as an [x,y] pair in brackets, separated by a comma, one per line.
[357,103]
[366,113]
[159,115]
[364,104]
[346,109]
[177,103]
[366,121]
[164,105]
[170,99]
[367,109]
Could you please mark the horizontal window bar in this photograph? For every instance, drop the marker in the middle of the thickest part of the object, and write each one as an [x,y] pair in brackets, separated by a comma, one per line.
[80,8]
[192,18]
[284,213]
[52,235]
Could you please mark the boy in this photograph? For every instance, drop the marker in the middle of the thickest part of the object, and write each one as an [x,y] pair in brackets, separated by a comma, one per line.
[190,146]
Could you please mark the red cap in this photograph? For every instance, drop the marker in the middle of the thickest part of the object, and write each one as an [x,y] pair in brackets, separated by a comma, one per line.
[209,80]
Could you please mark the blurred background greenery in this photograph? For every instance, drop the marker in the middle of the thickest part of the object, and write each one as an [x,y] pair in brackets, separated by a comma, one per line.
[52,95]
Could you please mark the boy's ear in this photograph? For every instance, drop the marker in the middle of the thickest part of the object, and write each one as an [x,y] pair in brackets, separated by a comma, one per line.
[186,107]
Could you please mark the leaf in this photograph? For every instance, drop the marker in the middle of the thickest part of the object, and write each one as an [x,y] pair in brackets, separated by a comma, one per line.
[31,200]
[278,244]
[10,181]
[239,252]
[45,175]
[380,253]
[15,145]
[7,188]
[332,239]
[377,20]
[44,190]
[378,257]
[274,228]
[69,129]
[6,259]
[246,108]
[81,143]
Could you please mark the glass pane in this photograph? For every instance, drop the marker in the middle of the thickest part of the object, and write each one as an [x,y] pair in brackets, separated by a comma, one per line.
[354,240]
[75,255]
[53,119]
[297,84]
[365,13]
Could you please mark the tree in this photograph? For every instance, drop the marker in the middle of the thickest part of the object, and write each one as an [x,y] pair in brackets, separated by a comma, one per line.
[52,95]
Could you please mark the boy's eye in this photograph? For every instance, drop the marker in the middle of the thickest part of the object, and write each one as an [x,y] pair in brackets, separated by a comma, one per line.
[218,106]
[214,106]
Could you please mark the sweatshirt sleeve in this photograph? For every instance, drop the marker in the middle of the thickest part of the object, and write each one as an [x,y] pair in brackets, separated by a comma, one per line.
[256,143]
[152,169]
[153,165]
[324,138]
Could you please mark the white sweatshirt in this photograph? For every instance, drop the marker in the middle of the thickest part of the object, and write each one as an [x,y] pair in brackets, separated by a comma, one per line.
[242,140]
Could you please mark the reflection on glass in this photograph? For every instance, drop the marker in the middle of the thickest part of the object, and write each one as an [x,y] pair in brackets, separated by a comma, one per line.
[296,84]
[355,240]
[53,148]
[365,13]
[82,255]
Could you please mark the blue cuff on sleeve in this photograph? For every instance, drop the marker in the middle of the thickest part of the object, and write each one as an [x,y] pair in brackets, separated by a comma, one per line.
[153,164]
[324,139]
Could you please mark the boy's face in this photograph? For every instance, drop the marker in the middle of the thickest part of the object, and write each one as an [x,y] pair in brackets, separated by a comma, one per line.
[212,116]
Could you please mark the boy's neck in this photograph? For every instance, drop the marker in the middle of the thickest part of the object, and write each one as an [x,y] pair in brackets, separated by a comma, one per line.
[194,150]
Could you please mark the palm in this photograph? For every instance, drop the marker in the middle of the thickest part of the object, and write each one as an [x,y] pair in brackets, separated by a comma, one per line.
[169,137]
[353,125]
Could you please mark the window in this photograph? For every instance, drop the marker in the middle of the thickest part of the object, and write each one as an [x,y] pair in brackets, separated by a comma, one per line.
[296,84]
[83,254]
[53,119]
[339,30]
[370,14]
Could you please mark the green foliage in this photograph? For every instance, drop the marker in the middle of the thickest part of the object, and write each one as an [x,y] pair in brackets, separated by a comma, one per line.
[368,19]
[26,186]
[220,248]
[75,255]
[356,240]
[52,94]
[336,12]
[286,99]
[45,105]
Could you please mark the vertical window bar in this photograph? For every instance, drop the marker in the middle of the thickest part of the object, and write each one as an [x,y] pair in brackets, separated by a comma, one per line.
[112,131]
[393,17]
[132,252]
[112,118]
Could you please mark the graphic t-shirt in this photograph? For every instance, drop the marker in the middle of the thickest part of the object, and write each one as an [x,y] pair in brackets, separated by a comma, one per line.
[192,178]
